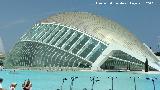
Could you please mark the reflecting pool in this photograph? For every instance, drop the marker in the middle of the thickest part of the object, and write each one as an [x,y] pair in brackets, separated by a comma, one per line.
[43,80]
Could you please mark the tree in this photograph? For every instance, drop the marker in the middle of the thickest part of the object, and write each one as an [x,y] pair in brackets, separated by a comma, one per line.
[157,53]
[146,65]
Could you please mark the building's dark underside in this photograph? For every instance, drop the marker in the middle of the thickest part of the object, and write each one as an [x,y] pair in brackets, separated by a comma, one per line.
[34,54]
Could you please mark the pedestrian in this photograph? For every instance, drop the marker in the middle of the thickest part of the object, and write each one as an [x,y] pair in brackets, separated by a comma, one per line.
[1,80]
[13,86]
[27,85]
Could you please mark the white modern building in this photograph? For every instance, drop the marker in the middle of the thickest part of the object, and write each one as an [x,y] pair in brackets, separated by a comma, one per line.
[2,52]
[81,40]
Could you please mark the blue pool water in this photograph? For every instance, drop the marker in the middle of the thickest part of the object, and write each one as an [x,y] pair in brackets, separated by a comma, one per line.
[42,80]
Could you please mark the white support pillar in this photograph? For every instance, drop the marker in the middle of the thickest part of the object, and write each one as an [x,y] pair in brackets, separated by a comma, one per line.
[79,63]
[93,51]
[101,59]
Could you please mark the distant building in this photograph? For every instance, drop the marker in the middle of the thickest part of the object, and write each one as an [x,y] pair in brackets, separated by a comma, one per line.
[2,52]
[81,40]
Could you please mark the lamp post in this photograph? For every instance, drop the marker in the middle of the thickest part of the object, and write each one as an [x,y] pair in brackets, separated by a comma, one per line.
[63,82]
[134,80]
[152,82]
[93,80]
[72,80]
[112,81]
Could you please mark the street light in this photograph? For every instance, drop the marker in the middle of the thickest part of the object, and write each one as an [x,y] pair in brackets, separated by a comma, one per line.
[93,80]
[62,83]
[72,80]
[112,81]
[134,80]
[152,82]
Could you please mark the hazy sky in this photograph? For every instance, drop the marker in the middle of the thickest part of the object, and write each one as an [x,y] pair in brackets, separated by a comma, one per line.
[17,16]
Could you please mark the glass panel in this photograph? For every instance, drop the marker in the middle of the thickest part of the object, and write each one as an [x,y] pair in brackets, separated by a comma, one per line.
[60,27]
[125,56]
[72,42]
[89,48]
[80,45]
[40,29]
[98,52]
[60,36]
[60,45]
[50,30]
[52,37]
[41,34]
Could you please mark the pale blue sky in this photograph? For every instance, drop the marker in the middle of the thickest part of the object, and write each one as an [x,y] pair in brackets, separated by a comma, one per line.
[17,16]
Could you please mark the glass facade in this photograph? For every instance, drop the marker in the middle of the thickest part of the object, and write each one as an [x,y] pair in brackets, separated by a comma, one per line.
[55,45]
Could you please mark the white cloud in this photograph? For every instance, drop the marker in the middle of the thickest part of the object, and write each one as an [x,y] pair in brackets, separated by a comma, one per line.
[13,23]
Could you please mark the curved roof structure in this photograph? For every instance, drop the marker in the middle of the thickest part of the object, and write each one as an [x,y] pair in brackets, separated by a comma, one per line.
[91,40]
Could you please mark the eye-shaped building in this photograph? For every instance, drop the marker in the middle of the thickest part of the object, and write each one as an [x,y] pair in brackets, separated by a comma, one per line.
[81,40]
